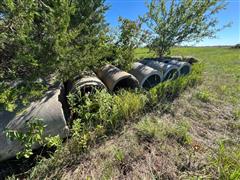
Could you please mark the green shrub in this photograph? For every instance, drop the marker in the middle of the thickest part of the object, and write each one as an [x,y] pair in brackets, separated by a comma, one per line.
[104,109]
[27,139]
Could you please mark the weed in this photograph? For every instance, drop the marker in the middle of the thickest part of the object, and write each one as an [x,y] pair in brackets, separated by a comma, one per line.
[236,114]
[227,161]
[204,96]
[119,155]
[150,128]
[180,132]
[28,139]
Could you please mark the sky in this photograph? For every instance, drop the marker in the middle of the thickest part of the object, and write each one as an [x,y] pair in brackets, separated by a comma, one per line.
[131,9]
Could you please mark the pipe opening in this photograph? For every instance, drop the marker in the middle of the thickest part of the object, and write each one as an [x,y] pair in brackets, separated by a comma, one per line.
[185,70]
[63,100]
[151,81]
[88,89]
[171,75]
[126,83]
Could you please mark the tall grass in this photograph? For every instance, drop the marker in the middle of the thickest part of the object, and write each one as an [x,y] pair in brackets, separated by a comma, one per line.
[227,161]
[171,89]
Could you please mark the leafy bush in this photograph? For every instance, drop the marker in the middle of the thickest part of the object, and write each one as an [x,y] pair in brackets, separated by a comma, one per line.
[32,136]
[104,109]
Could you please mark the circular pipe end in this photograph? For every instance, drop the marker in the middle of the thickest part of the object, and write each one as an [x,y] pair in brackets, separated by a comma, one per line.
[172,74]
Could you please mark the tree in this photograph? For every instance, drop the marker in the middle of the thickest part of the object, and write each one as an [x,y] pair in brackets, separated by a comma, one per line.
[42,39]
[181,21]
[127,37]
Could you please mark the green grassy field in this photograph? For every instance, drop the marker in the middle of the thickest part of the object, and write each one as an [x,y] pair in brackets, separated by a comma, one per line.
[197,135]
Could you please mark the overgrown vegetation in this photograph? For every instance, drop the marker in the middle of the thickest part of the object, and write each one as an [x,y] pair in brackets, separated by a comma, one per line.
[33,136]
[37,37]
[68,36]
[103,114]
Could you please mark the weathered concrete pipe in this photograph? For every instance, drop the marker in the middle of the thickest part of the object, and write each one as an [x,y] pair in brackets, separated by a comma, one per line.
[184,68]
[169,71]
[116,79]
[147,76]
[87,85]
[49,109]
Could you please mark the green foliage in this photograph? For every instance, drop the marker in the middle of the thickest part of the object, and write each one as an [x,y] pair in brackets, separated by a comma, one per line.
[227,161]
[37,37]
[180,132]
[236,114]
[53,141]
[32,136]
[150,128]
[204,96]
[104,109]
[171,89]
[119,155]
[124,41]
[153,128]
[183,21]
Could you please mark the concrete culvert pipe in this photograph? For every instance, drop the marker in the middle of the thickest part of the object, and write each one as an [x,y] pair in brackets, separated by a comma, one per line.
[87,85]
[147,76]
[49,110]
[116,79]
[184,68]
[169,71]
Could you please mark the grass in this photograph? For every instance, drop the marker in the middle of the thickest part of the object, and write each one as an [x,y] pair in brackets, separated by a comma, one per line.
[227,161]
[204,96]
[172,132]
[152,128]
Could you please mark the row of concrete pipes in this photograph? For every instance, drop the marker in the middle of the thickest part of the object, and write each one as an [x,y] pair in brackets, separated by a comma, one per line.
[53,108]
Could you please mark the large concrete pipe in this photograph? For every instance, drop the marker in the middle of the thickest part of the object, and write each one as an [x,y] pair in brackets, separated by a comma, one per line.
[50,110]
[147,76]
[87,85]
[116,79]
[169,71]
[183,67]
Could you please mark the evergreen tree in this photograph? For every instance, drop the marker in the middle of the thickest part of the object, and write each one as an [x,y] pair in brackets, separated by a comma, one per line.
[42,39]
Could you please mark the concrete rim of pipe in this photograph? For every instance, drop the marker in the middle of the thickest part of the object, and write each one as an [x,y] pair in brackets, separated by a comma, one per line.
[87,85]
[116,79]
[147,76]
[184,68]
[171,74]
[169,71]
